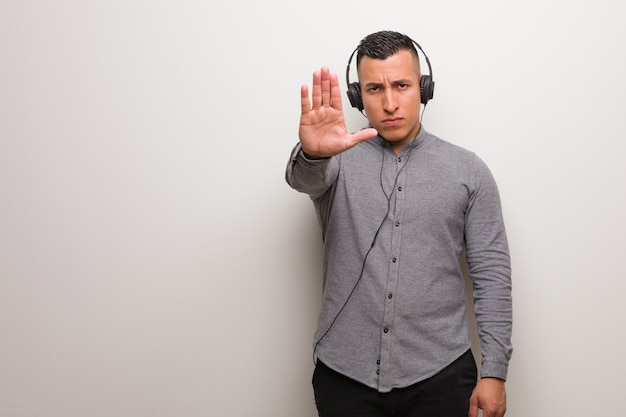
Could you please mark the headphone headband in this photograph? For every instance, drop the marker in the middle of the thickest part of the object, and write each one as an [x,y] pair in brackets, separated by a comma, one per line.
[427,85]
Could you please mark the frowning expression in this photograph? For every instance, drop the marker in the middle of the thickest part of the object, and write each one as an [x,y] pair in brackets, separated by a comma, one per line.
[390,89]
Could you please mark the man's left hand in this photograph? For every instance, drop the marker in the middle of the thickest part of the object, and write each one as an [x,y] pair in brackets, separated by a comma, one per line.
[490,396]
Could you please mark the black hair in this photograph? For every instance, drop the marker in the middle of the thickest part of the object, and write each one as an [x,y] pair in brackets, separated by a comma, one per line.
[383,44]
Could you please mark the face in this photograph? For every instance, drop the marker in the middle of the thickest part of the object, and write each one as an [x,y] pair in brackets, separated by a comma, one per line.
[391,96]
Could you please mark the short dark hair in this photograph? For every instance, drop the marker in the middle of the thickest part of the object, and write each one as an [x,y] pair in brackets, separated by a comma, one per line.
[383,44]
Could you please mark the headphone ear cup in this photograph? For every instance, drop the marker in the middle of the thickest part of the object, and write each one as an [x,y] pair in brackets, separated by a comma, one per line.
[354,95]
[427,88]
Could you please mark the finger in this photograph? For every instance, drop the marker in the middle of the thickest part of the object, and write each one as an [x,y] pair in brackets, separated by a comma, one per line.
[494,411]
[363,135]
[335,92]
[317,90]
[305,103]
[325,76]
[473,409]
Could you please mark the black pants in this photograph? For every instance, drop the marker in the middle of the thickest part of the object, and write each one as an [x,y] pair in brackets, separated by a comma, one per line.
[443,395]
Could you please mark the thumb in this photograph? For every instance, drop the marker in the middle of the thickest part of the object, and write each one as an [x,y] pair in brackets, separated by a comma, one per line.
[473,408]
[363,135]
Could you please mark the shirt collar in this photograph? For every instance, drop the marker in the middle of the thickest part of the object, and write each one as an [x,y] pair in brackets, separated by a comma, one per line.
[413,143]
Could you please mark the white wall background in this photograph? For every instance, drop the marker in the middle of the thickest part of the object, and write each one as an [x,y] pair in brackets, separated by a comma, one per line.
[153,262]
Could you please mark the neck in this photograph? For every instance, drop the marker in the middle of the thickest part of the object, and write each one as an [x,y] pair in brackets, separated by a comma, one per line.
[397,146]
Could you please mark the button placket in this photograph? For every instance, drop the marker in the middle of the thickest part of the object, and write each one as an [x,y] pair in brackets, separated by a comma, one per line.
[396,174]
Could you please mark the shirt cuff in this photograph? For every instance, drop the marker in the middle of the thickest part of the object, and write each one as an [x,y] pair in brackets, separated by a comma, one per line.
[312,158]
[494,370]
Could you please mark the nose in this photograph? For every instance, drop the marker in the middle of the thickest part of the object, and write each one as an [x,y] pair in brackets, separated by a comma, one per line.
[390,103]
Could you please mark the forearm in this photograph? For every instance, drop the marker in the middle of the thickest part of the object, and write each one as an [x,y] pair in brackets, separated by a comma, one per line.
[493,308]
[310,175]
[491,275]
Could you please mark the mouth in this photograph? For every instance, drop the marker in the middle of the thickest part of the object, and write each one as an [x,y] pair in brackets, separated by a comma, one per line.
[392,121]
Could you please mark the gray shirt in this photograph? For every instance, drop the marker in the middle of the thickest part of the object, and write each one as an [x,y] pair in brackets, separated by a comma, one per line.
[394,229]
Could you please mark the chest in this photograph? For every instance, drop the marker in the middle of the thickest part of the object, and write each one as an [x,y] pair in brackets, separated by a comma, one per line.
[417,188]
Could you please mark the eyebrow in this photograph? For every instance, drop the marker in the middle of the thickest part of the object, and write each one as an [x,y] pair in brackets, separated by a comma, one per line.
[395,82]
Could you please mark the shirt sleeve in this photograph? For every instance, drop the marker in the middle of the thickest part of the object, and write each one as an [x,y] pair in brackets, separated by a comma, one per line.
[488,259]
[311,176]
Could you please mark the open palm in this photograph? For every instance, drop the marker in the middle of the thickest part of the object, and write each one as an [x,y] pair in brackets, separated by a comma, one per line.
[323,131]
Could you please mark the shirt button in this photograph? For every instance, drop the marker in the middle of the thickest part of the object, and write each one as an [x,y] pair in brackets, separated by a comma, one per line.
[399,188]
[397,224]
[386,330]
[399,159]
[378,372]
[390,296]
[394,260]
[378,362]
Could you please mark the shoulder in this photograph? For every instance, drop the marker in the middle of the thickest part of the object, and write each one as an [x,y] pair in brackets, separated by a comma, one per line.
[444,147]
[455,160]
[448,153]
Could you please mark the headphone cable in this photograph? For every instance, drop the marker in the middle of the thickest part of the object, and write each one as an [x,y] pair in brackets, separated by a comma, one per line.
[380,226]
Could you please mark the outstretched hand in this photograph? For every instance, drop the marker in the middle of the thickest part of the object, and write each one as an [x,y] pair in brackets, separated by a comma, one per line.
[323,131]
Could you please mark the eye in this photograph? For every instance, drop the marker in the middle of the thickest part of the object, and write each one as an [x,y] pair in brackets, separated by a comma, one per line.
[372,89]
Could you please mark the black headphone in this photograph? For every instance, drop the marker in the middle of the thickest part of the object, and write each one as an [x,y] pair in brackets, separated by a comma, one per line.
[427,85]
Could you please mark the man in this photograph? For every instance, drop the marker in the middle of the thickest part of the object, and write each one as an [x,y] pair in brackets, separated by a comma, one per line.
[397,207]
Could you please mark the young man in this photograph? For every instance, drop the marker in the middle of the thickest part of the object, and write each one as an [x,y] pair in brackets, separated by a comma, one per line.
[397,207]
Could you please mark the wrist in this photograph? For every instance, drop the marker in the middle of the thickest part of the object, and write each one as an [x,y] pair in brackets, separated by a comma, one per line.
[313,158]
